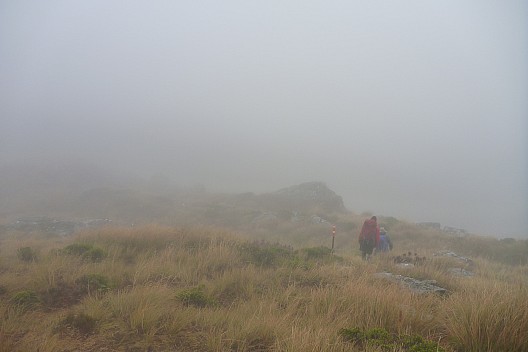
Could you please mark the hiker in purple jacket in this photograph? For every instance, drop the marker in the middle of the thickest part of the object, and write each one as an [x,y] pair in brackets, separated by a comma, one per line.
[385,243]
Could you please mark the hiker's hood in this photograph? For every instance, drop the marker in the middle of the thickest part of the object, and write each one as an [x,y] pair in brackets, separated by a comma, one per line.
[371,222]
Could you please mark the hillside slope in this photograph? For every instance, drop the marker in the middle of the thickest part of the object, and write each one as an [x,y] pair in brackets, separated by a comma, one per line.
[174,289]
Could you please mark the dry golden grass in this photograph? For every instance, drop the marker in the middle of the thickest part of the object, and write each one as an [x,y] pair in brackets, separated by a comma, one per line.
[202,289]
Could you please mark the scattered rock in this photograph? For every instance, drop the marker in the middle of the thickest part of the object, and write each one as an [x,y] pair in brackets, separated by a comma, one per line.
[405,265]
[415,285]
[297,217]
[455,231]
[447,253]
[430,225]
[318,220]
[55,226]
[460,272]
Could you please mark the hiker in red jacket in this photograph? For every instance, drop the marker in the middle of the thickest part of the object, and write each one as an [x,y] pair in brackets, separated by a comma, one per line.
[369,237]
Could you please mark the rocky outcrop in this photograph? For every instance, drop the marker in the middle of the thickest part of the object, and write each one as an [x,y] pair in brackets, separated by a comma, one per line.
[430,225]
[306,196]
[467,263]
[460,272]
[447,253]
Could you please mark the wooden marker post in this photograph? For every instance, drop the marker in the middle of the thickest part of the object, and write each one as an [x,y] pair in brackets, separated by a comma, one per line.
[333,237]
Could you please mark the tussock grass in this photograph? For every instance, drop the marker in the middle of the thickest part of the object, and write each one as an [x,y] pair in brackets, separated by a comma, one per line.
[206,290]
[484,317]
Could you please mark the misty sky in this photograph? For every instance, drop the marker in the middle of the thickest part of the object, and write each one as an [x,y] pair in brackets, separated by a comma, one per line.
[412,109]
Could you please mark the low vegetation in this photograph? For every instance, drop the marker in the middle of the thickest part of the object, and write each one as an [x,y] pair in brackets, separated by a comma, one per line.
[203,289]
[389,342]
[26,254]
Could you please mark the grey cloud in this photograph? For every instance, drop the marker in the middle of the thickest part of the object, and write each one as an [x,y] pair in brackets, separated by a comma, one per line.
[416,110]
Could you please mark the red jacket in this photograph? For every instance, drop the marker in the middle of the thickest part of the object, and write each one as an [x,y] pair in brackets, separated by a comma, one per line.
[370,228]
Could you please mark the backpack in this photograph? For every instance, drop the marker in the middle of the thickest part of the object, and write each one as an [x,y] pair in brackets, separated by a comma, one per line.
[368,234]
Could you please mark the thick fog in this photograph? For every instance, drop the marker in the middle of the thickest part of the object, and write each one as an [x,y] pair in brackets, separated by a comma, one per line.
[414,109]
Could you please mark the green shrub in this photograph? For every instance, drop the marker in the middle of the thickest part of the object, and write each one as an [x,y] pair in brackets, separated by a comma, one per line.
[377,334]
[94,254]
[354,335]
[386,341]
[82,323]
[417,343]
[195,297]
[27,254]
[25,299]
[86,251]
[93,283]
[60,296]
[317,252]
[308,257]
[77,248]
[265,254]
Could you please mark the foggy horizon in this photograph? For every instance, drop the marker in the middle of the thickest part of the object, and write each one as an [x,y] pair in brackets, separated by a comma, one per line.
[415,110]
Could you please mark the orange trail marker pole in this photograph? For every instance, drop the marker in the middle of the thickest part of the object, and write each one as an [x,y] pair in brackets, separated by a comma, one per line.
[333,237]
